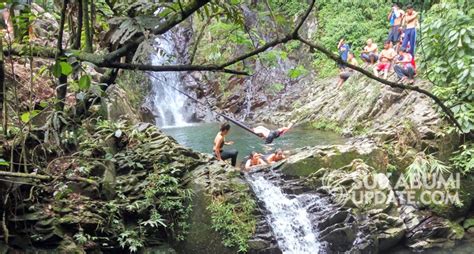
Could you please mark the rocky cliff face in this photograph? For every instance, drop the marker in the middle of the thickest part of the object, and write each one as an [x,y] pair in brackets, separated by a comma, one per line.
[361,106]
[142,190]
[345,221]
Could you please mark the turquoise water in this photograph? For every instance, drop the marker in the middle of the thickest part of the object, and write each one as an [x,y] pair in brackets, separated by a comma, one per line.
[200,137]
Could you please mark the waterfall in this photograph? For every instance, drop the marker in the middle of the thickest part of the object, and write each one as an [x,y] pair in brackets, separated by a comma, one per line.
[287,217]
[168,103]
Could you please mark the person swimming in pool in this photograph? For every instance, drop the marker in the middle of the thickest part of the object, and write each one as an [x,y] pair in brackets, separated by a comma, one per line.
[255,159]
[270,135]
[275,157]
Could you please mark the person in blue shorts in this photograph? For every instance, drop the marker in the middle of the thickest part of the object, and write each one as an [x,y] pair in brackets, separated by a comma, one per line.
[343,49]
[395,18]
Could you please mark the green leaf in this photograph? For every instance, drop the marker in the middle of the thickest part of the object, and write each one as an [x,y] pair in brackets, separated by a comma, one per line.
[25,117]
[297,72]
[43,104]
[4,162]
[85,82]
[66,68]
[56,70]
[467,39]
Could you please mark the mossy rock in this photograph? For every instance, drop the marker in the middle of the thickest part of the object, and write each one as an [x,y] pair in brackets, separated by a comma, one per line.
[466,196]
[468,223]
[35,216]
[70,247]
[458,231]
[311,160]
[201,237]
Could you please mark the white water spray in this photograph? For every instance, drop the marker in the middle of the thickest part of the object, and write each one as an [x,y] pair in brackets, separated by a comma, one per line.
[168,103]
[288,218]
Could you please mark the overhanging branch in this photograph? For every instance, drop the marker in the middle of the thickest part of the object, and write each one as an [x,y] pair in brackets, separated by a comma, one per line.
[48,52]
[176,18]
[168,24]
[162,68]
[104,61]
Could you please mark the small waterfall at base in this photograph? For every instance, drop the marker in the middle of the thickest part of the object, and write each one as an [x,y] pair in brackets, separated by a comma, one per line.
[287,217]
[168,103]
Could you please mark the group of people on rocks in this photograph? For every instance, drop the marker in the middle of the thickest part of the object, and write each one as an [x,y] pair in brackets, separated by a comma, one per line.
[398,54]
[398,51]
[254,159]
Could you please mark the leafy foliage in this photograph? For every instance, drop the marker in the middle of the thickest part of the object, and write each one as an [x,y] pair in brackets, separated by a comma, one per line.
[291,8]
[297,72]
[233,216]
[448,61]
[127,28]
[357,21]
[326,125]
[424,166]
[149,190]
[463,160]
[274,88]
[130,239]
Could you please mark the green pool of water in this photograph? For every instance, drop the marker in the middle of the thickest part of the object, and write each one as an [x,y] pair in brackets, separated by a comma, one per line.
[200,137]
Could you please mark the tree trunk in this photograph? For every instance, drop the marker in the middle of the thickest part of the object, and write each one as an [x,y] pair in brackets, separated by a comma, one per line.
[77,40]
[92,21]
[87,26]
[62,80]
[3,90]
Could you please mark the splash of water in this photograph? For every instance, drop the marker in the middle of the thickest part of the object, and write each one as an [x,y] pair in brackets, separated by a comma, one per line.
[288,218]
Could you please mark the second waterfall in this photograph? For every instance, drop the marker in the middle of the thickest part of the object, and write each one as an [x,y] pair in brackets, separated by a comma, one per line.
[288,217]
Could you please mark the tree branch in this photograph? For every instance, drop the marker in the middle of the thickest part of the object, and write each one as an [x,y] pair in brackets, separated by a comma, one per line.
[337,59]
[257,51]
[162,68]
[104,61]
[161,29]
[285,39]
[198,39]
[305,17]
[47,52]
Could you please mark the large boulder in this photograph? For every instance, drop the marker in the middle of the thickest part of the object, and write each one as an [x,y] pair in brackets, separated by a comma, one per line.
[427,231]
[369,196]
[116,106]
[201,237]
[218,181]
[311,159]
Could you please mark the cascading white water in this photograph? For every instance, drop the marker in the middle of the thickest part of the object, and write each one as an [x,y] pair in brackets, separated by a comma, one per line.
[168,103]
[288,218]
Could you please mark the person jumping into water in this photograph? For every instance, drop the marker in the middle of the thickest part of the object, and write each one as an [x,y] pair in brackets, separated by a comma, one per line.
[219,142]
[270,135]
